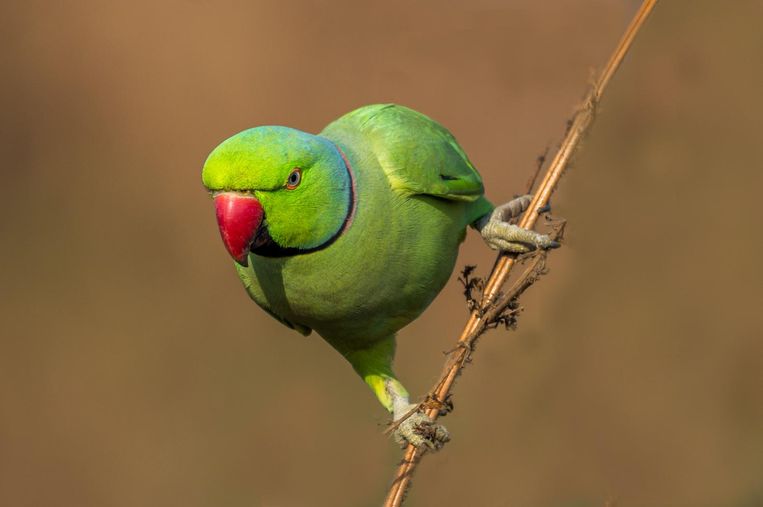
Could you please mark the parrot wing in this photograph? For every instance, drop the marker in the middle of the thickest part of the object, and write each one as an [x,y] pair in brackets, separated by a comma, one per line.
[418,155]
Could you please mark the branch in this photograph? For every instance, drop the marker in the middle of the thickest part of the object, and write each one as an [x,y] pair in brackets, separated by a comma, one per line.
[497,308]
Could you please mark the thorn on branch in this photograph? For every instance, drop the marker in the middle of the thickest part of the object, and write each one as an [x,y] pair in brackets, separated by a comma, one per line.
[557,226]
[538,166]
[465,347]
[541,159]
[472,284]
[568,127]
[507,317]
[447,407]
[443,407]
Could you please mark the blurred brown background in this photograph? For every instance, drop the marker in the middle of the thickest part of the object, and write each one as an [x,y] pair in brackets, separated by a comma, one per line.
[135,371]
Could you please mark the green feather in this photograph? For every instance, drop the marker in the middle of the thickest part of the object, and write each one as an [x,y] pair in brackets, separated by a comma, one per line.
[416,192]
[418,155]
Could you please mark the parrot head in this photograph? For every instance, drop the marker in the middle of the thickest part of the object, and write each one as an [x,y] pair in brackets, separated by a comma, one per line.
[278,192]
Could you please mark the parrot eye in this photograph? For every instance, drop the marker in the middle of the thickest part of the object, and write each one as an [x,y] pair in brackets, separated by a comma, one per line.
[295,177]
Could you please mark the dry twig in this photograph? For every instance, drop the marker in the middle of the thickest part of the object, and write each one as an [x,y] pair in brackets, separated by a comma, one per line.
[498,308]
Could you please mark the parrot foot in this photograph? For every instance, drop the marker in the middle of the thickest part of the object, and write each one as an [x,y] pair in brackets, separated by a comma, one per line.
[419,430]
[500,234]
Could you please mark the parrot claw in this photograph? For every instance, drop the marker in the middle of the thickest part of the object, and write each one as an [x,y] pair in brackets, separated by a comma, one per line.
[499,234]
[420,431]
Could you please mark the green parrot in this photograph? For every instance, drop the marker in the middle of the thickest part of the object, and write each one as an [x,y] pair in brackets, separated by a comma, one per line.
[354,231]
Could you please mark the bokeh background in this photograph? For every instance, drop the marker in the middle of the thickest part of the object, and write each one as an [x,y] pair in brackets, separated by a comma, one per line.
[135,371]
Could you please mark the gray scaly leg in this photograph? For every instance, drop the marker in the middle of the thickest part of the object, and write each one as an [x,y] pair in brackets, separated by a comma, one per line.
[415,428]
[499,234]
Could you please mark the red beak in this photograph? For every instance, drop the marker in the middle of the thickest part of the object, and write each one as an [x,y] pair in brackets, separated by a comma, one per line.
[238,216]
